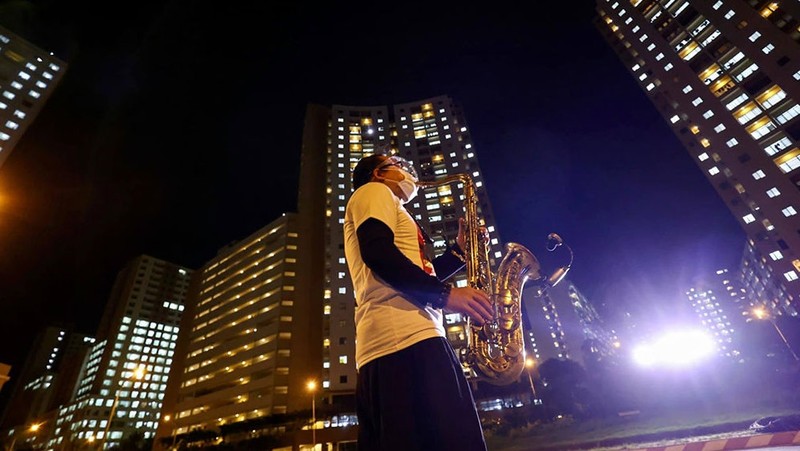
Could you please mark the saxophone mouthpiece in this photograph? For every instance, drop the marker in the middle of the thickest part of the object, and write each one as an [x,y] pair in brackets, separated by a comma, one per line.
[553,241]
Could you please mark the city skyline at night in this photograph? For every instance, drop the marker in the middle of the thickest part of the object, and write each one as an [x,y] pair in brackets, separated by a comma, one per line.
[150,145]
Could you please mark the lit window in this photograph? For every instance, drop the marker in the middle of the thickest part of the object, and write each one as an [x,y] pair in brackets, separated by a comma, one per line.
[748,219]
[708,114]
[787,115]
[776,147]
[718,4]
[713,171]
[789,211]
[674,119]
[777,255]
[4,136]
[719,128]
[668,67]
[736,102]
[768,48]
[697,101]
[703,156]
[759,174]
[687,89]
[651,47]
[755,36]
[732,142]
[343,359]
[773,192]
[790,275]
[730,14]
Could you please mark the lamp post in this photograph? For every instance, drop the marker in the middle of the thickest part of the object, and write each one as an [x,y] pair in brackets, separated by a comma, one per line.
[761,313]
[529,364]
[138,374]
[32,429]
[311,386]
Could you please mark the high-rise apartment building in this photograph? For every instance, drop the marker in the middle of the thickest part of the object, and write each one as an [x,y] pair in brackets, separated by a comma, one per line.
[761,287]
[251,343]
[724,74]
[563,324]
[47,377]
[718,301]
[431,133]
[28,75]
[123,378]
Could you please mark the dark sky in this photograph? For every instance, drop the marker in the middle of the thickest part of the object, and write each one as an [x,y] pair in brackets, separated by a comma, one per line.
[177,129]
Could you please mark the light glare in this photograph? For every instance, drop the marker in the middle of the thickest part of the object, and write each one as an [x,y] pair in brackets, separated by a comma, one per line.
[675,349]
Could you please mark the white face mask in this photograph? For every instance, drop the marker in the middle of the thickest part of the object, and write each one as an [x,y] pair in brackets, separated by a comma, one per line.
[407,186]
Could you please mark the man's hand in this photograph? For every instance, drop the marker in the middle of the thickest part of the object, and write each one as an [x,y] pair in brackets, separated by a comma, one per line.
[471,302]
[461,239]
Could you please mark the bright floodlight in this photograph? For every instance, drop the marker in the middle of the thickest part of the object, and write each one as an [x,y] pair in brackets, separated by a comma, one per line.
[675,349]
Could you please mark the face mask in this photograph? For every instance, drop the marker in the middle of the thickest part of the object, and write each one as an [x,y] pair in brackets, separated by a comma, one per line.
[407,186]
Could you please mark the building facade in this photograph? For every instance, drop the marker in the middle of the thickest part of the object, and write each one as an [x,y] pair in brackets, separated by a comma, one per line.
[563,324]
[718,301]
[433,134]
[761,287]
[28,76]
[251,343]
[48,376]
[724,74]
[124,375]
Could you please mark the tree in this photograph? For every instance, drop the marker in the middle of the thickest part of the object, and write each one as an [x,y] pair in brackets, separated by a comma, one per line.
[565,388]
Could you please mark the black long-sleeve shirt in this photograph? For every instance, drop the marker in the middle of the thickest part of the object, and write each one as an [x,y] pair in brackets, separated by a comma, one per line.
[376,242]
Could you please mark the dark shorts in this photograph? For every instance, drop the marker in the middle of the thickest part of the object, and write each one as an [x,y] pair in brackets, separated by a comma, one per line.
[417,399]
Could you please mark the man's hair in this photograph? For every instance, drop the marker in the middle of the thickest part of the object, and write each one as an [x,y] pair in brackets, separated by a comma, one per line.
[362,173]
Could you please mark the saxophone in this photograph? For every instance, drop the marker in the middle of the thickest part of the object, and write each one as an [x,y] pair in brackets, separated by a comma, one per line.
[495,350]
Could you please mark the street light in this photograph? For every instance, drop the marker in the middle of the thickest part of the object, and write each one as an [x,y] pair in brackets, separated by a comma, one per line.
[529,364]
[167,419]
[138,374]
[32,429]
[761,313]
[311,386]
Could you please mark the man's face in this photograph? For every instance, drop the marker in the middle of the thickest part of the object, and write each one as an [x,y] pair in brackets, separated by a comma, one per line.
[393,168]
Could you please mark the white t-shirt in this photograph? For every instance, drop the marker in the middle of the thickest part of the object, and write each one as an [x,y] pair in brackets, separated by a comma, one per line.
[386,322]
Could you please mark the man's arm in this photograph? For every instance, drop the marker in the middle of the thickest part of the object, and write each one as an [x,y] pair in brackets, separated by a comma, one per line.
[376,241]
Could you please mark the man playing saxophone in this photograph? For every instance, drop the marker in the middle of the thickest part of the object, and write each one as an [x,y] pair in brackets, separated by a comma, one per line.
[412,393]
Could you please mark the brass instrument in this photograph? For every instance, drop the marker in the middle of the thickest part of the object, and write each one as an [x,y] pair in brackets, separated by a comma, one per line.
[496,350]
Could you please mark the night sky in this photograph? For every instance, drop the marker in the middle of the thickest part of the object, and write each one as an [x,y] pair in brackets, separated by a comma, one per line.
[177,129]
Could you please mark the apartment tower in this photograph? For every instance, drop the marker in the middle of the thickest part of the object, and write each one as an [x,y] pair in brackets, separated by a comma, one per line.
[28,76]
[48,376]
[433,134]
[563,324]
[252,342]
[718,301]
[122,382]
[724,74]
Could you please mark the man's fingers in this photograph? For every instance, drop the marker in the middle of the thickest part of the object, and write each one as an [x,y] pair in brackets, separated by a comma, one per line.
[483,306]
